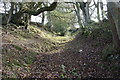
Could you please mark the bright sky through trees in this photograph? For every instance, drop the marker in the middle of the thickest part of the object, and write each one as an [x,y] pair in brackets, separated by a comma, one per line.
[39,19]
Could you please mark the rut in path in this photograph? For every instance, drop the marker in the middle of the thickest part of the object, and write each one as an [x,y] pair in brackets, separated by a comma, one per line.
[79,55]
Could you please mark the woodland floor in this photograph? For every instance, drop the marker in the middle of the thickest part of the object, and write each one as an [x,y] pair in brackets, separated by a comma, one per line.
[79,58]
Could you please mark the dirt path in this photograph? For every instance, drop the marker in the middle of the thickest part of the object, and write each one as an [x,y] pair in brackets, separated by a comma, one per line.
[79,59]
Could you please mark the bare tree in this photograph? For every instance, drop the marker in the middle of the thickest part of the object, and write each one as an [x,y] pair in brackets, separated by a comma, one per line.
[98,9]
[77,11]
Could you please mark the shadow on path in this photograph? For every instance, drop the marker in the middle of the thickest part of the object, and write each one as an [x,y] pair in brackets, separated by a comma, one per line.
[80,59]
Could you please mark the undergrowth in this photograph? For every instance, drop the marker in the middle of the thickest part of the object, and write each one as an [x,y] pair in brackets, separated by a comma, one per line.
[111,59]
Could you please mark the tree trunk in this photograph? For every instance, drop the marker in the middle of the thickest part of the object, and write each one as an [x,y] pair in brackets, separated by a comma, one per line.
[87,12]
[10,13]
[27,20]
[82,6]
[43,18]
[98,11]
[49,20]
[115,12]
[17,17]
[5,15]
[114,18]
[78,15]
[85,9]
[101,6]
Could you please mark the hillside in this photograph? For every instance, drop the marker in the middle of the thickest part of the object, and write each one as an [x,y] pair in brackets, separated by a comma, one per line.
[36,53]
[20,48]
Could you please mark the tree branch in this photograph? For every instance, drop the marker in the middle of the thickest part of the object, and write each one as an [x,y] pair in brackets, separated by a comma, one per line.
[35,13]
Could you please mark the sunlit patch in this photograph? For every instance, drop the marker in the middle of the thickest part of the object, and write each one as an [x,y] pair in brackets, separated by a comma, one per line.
[80,50]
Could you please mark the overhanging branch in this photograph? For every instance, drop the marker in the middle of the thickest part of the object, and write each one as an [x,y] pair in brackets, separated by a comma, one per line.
[35,13]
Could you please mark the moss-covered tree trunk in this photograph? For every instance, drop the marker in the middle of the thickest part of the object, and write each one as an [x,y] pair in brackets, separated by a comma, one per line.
[23,16]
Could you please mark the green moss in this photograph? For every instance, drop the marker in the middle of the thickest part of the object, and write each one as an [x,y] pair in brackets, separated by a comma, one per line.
[16,63]
[8,64]
[26,35]
[29,60]
[17,47]
[33,53]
